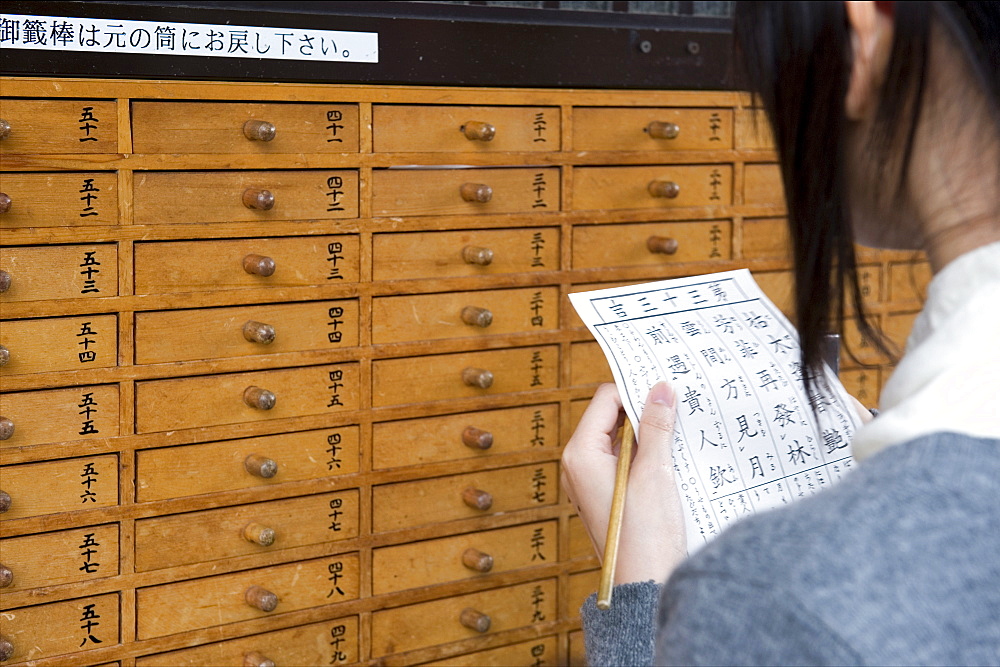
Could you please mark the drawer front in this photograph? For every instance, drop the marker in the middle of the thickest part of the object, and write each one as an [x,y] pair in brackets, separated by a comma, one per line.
[908,282]
[581,585]
[766,238]
[48,559]
[588,365]
[645,129]
[204,266]
[634,187]
[213,467]
[779,286]
[438,622]
[408,192]
[480,252]
[166,405]
[327,643]
[213,333]
[164,197]
[470,374]
[244,128]
[403,129]
[468,435]
[229,598]
[60,628]
[59,344]
[59,200]
[36,489]
[762,185]
[57,415]
[651,244]
[580,545]
[257,528]
[464,556]
[59,126]
[60,272]
[535,653]
[397,319]
[753,131]
[483,493]
[863,385]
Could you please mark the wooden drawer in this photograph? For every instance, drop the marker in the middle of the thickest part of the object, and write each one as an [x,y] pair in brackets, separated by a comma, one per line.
[864,350]
[202,266]
[59,126]
[478,252]
[753,131]
[908,282]
[165,197]
[581,585]
[580,545]
[535,653]
[458,129]
[409,192]
[863,385]
[577,649]
[59,344]
[779,286]
[254,128]
[327,643]
[60,628]
[257,528]
[213,467]
[766,238]
[438,622]
[465,375]
[651,244]
[468,435]
[588,365]
[762,185]
[645,129]
[57,415]
[630,187]
[464,556]
[229,598]
[60,272]
[212,333]
[397,319]
[66,199]
[48,559]
[427,501]
[51,487]
[211,400]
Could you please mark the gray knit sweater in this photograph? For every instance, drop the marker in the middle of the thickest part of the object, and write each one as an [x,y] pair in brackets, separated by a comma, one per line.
[898,564]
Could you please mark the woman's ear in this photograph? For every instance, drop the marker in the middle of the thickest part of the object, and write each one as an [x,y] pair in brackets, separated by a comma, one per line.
[871,43]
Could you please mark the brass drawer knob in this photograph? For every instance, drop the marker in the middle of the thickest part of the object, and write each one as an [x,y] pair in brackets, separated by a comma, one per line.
[257,659]
[262,399]
[258,200]
[4,501]
[665,189]
[5,281]
[260,466]
[258,332]
[6,428]
[259,534]
[475,255]
[6,649]
[259,265]
[6,576]
[476,130]
[261,598]
[476,438]
[4,355]
[660,130]
[662,245]
[477,317]
[477,499]
[4,129]
[479,193]
[476,560]
[477,377]
[259,130]
[474,620]
[5,202]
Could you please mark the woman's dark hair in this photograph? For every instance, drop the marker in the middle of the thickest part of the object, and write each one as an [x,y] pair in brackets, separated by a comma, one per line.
[795,57]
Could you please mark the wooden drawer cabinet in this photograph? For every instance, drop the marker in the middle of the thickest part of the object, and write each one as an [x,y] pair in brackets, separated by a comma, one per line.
[56,415]
[36,273]
[464,129]
[651,244]
[537,652]
[50,487]
[624,129]
[39,126]
[762,185]
[581,585]
[58,344]
[61,628]
[61,557]
[652,187]
[580,545]
[74,199]
[766,238]
[588,365]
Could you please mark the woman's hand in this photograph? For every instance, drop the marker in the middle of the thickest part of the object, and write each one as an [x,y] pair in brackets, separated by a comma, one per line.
[653,539]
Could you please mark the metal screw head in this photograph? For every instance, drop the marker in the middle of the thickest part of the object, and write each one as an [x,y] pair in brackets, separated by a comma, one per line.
[645,46]
[693,48]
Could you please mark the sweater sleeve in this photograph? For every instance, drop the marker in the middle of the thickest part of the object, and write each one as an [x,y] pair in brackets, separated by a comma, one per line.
[624,634]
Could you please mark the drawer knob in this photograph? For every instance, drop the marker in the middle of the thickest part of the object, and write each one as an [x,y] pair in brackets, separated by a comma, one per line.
[4,355]
[259,200]
[476,130]
[660,130]
[6,649]
[259,130]
[260,466]
[261,598]
[257,659]
[474,559]
[474,620]
[477,317]
[6,428]
[262,399]
[476,192]
[258,534]
[476,438]
[258,332]
[5,281]
[477,377]
[4,501]
[6,576]
[5,202]
[259,265]
[477,499]
[4,129]
[666,189]
[475,255]
[663,245]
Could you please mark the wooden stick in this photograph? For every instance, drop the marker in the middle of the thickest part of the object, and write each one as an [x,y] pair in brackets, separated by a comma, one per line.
[615,521]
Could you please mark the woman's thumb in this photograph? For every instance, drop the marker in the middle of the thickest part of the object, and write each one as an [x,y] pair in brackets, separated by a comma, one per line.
[656,427]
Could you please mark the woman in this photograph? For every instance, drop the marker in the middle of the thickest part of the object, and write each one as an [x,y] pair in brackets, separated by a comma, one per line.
[887,124]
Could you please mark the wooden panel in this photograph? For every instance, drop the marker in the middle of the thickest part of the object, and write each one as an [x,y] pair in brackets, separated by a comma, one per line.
[577,649]
[218,127]
[55,415]
[762,185]
[59,344]
[404,128]
[60,272]
[581,585]
[627,187]
[59,126]
[766,238]
[863,384]
[753,132]
[212,467]
[779,286]
[601,246]
[588,365]
[61,628]
[165,405]
[48,559]
[580,545]
[898,326]
[870,284]
[59,200]
[908,282]
[535,653]
[863,349]
[36,489]
[439,191]
[627,129]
